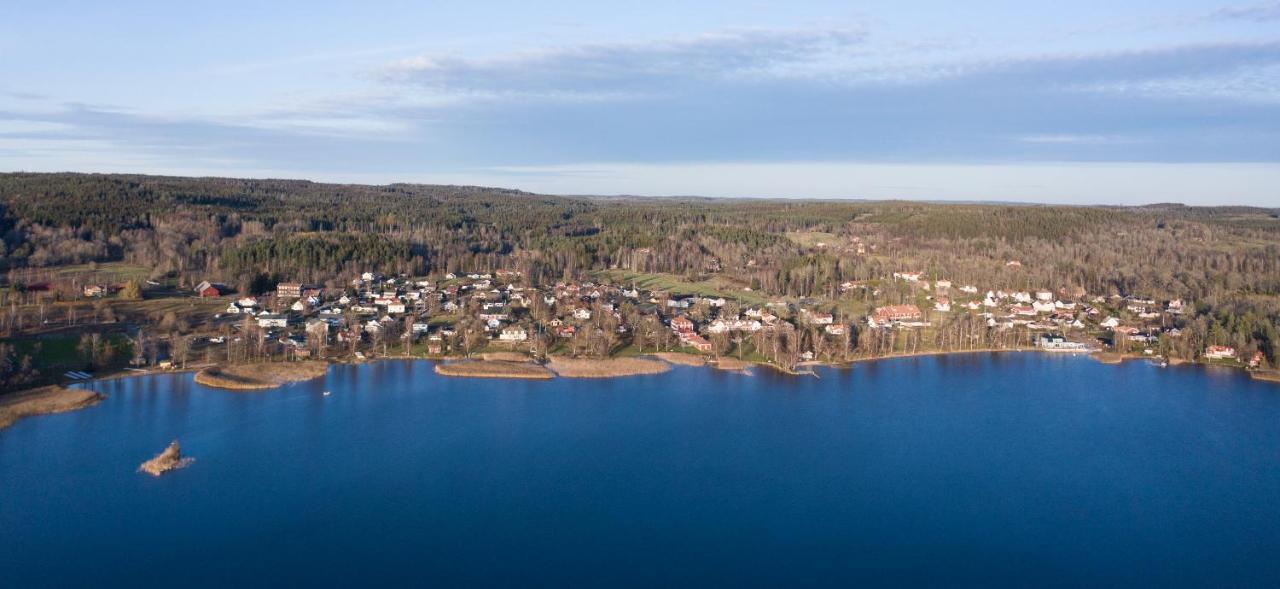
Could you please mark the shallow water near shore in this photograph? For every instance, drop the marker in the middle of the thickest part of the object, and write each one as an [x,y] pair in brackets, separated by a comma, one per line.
[1016,468]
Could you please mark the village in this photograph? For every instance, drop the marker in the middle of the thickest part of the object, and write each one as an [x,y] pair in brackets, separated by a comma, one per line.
[455,315]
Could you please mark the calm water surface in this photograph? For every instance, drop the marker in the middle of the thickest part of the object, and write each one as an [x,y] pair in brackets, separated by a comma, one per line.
[1015,469]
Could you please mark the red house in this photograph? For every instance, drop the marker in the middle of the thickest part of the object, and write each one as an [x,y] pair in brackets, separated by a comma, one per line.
[698,342]
[208,289]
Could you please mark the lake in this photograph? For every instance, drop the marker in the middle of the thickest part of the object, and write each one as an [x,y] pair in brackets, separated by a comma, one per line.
[1016,468]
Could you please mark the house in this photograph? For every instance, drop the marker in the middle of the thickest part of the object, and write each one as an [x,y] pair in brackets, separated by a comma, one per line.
[697,342]
[908,276]
[268,320]
[1024,310]
[1256,360]
[582,313]
[819,318]
[513,334]
[298,305]
[1220,352]
[682,323]
[1110,323]
[247,302]
[1057,343]
[1043,306]
[892,313]
[95,290]
[208,289]
[289,290]
[834,329]
[942,304]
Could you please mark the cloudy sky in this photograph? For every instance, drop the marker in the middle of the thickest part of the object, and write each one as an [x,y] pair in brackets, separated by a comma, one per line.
[1082,102]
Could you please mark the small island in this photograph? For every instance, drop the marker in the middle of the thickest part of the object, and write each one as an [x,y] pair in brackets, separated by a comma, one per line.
[169,459]
[252,377]
[605,367]
[493,369]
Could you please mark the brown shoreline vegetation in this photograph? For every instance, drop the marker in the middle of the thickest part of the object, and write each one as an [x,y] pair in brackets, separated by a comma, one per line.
[506,357]
[1272,376]
[1109,357]
[255,377]
[605,367]
[44,401]
[733,365]
[493,369]
[682,358]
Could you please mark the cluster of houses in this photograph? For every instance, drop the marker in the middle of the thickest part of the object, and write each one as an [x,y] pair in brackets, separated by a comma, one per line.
[1041,310]
[422,308]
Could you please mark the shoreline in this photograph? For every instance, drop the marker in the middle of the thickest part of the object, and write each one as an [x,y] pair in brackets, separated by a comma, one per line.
[261,376]
[45,400]
[493,369]
[606,367]
[528,369]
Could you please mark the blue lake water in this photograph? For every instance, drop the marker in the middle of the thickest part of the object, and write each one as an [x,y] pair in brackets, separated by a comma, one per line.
[1018,469]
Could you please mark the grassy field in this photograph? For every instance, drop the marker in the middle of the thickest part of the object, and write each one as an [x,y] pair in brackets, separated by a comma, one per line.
[813,238]
[713,287]
[109,273]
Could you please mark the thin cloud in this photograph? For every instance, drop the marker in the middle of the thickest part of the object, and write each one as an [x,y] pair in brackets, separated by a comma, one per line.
[1071,139]
[1260,13]
[606,68]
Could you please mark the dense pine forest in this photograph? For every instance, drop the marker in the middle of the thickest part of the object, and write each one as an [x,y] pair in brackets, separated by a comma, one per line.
[252,234]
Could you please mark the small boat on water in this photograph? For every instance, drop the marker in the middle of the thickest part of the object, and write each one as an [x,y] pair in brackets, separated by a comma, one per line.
[326,393]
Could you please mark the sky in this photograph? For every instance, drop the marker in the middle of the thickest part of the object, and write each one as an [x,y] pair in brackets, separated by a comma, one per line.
[1082,102]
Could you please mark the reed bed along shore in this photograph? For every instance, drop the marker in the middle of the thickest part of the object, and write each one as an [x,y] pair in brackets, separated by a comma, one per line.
[254,377]
[1265,375]
[493,369]
[605,367]
[44,401]
[733,365]
[506,356]
[681,358]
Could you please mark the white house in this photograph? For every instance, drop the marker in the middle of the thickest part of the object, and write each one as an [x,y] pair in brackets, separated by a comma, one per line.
[513,334]
[1219,352]
[1043,306]
[267,320]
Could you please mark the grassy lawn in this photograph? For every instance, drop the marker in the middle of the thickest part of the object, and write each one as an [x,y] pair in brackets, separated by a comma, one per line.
[812,238]
[713,287]
[53,355]
[106,273]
